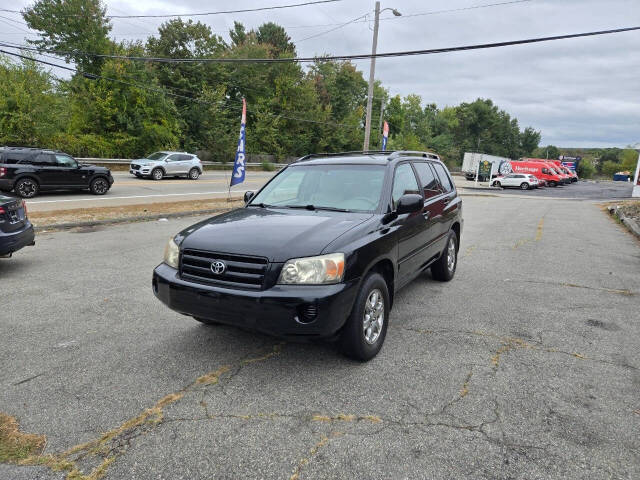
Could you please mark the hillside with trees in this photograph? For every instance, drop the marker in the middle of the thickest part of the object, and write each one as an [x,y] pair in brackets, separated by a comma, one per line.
[115,107]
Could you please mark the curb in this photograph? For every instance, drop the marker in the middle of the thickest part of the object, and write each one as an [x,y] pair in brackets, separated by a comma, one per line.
[630,223]
[116,221]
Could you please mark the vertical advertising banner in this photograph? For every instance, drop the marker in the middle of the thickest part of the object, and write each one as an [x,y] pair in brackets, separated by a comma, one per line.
[636,180]
[238,166]
[385,136]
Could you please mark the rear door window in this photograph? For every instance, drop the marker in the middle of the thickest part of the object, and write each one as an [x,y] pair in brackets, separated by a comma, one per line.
[445,179]
[430,184]
[174,158]
[44,160]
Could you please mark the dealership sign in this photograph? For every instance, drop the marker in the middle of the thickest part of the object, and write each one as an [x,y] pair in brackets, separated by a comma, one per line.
[570,162]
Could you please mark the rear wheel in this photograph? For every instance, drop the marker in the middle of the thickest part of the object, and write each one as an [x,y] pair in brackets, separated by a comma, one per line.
[445,267]
[366,328]
[553,183]
[194,173]
[524,186]
[157,174]
[99,186]
[27,187]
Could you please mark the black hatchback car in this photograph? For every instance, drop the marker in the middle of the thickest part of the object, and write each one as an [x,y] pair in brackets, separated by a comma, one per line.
[321,250]
[16,231]
[27,171]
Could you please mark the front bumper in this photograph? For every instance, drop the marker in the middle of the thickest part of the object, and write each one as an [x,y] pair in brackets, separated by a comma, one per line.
[277,311]
[14,241]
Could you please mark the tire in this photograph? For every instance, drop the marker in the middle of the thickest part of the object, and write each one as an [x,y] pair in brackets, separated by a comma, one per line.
[524,186]
[445,267]
[99,186]
[206,321]
[194,173]
[362,343]
[27,187]
[157,174]
[553,183]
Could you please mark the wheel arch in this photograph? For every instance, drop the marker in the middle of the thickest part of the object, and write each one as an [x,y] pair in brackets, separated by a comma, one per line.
[384,266]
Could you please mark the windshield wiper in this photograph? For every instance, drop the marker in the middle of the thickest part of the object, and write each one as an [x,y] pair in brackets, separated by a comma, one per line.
[261,205]
[313,207]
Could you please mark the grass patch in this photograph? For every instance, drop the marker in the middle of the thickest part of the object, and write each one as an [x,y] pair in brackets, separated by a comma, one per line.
[132,212]
[16,445]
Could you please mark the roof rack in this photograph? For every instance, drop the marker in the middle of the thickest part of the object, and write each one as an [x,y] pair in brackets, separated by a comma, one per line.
[413,153]
[341,154]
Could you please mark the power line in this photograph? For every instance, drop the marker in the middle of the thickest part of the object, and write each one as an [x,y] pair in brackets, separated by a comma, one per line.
[92,76]
[333,29]
[404,53]
[199,14]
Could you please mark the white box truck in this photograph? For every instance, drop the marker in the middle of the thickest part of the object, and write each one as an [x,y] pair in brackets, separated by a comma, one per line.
[499,165]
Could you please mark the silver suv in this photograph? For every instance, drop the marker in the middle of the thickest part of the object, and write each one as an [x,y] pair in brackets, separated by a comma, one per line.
[167,164]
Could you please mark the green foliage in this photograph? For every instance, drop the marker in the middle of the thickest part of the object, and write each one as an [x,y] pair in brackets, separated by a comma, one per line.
[136,108]
[610,167]
[268,166]
[31,108]
[586,168]
[629,160]
[63,28]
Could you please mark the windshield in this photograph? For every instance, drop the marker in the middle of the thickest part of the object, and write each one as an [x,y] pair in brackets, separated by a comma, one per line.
[156,156]
[344,187]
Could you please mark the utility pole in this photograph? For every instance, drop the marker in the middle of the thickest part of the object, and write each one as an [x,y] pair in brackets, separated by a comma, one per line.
[372,74]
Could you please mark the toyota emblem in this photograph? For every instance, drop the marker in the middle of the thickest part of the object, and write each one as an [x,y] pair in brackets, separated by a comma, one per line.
[218,267]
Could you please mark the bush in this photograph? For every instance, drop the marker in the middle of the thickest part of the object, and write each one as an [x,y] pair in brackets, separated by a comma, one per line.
[268,166]
[609,168]
[586,168]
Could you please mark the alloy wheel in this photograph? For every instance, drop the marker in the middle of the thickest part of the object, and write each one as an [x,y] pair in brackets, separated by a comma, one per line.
[373,316]
[27,189]
[100,186]
[451,254]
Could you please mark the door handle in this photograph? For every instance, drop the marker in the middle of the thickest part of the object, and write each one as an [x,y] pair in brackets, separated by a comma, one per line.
[426,214]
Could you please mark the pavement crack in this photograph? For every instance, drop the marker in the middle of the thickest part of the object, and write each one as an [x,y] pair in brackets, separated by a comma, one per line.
[312,453]
[110,445]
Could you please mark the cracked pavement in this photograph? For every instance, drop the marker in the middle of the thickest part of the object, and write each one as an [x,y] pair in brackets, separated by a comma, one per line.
[525,366]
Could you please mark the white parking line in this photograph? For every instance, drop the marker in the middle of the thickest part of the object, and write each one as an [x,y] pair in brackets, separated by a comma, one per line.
[132,196]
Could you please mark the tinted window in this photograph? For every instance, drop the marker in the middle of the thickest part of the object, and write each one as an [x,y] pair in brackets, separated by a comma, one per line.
[174,158]
[445,180]
[427,177]
[185,157]
[65,161]
[404,182]
[44,160]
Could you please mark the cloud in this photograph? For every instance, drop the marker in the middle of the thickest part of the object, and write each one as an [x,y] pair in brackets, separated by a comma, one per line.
[579,92]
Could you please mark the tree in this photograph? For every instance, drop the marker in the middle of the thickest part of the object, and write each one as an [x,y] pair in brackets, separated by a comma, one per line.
[31,109]
[71,27]
[529,140]
[550,152]
[275,36]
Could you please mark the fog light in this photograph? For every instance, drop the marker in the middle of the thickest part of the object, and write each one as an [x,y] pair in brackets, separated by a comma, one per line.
[307,313]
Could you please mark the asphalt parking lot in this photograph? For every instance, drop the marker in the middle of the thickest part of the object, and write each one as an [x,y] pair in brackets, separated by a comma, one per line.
[525,366]
[590,190]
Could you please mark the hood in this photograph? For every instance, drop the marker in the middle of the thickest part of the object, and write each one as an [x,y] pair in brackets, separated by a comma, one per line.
[278,234]
[144,161]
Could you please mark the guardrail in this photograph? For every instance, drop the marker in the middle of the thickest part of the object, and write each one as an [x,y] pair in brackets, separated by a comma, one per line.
[125,161]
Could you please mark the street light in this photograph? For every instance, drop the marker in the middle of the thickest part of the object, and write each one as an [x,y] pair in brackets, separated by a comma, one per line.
[372,71]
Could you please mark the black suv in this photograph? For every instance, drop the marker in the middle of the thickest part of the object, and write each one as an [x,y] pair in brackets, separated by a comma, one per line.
[30,170]
[321,250]
[15,229]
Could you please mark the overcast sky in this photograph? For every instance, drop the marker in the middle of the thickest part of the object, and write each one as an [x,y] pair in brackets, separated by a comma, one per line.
[579,92]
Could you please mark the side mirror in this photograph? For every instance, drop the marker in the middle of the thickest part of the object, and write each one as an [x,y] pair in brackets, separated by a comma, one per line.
[410,203]
[248,196]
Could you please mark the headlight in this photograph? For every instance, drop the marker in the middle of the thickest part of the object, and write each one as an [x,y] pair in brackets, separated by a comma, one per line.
[322,270]
[171,254]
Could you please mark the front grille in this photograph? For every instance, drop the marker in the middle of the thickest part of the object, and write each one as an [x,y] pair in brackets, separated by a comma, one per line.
[241,271]
[135,167]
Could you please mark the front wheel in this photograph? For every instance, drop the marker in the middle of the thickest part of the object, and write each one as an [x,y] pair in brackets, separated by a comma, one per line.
[445,267]
[99,186]
[157,174]
[524,186]
[194,173]
[366,327]
[553,184]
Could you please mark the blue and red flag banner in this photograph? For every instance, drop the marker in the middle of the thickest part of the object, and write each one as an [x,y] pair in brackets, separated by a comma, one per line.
[238,166]
[385,136]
